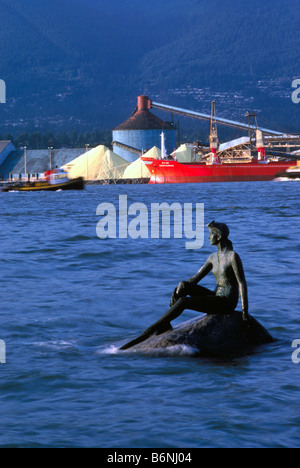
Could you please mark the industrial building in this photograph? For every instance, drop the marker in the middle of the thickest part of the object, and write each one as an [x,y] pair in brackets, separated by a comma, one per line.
[17,162]
[6,149]
[141,132]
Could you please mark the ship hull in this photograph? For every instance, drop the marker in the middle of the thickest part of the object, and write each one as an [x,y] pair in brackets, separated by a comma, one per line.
[173,172]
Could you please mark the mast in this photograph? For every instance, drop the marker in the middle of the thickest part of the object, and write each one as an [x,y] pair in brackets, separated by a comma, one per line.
[213,135]
[260,146]
[163,146]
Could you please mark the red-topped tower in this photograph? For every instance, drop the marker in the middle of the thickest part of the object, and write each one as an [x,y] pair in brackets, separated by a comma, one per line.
[143,131]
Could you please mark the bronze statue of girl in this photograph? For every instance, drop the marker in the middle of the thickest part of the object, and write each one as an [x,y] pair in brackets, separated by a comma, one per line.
[228,270]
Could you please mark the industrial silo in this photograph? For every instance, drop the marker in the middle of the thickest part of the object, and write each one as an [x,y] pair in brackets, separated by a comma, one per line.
[142,131]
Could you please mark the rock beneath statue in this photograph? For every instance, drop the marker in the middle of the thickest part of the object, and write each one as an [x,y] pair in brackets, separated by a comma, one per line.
[211,336]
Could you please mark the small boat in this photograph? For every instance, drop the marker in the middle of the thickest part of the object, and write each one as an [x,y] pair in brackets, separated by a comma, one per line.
[56,179]
[292,172]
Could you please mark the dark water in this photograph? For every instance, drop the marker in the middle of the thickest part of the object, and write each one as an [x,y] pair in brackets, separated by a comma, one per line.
[68,299]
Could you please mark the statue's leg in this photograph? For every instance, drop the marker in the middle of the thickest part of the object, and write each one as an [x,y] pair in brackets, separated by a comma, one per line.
[195,290]
[185,289]
[210,304]
[203,300]
[162,325]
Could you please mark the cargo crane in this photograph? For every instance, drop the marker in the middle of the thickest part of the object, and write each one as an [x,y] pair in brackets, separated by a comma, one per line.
[264,137]
[218,120]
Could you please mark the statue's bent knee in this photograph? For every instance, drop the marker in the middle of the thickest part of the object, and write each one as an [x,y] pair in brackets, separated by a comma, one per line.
[183,288]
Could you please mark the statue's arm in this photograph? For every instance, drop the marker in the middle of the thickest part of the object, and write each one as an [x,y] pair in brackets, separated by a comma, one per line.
[241,279]
[207,267]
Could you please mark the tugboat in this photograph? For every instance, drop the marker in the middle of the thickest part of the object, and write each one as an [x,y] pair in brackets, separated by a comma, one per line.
[292,172]
[56,179]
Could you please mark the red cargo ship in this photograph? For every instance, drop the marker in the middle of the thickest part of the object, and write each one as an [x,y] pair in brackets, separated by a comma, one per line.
[173,172]
[258,168]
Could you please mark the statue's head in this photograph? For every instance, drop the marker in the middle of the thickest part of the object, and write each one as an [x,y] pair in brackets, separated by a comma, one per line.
[219,232]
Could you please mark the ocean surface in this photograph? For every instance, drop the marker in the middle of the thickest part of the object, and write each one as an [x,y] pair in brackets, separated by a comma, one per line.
[70,299]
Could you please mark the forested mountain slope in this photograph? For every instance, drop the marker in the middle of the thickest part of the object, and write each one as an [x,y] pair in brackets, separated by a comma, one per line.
[81,63]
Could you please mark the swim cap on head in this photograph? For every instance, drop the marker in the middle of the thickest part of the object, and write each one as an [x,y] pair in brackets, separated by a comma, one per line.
[222,228]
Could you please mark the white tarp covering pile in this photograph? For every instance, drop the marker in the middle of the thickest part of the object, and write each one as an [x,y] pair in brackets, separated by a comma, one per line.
[138,169]
[184,153]
[153,153]
[97,164]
